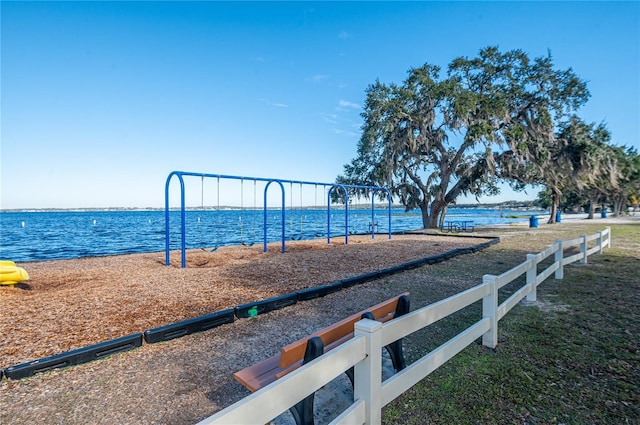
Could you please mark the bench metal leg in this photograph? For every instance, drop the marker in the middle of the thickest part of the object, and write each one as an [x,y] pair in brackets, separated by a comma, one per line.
[395,348]
[397,357]
[351,375]
[303,410]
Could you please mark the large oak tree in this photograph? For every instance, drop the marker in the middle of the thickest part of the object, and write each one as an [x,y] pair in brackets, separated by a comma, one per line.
[432,139]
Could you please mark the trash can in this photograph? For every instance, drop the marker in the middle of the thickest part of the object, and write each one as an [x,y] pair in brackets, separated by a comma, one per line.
[533,221]
[558,217]
[603,214]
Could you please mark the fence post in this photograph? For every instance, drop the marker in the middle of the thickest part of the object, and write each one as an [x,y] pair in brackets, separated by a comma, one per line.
[532,274]
[368,373]
[583,249]
[608,243]
[599,242]
[559,256]
[490,310]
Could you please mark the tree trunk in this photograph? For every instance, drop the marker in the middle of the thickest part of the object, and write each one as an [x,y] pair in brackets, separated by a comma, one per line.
[619,203]
[555,200]
[592,208]
[442,216]
[433,221]
[424,210]
[437,207]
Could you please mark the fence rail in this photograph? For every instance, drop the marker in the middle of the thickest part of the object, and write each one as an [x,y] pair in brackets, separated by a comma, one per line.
[363,352]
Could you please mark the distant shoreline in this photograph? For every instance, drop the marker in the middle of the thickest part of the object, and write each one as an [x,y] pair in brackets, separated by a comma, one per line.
[511,205]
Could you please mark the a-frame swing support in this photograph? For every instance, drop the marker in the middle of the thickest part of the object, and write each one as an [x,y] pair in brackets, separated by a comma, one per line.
[280,182]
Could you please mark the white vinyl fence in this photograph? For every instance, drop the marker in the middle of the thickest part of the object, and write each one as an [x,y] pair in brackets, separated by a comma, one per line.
[364,350]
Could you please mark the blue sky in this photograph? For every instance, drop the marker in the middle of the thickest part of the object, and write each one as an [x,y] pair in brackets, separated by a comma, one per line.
[102,100]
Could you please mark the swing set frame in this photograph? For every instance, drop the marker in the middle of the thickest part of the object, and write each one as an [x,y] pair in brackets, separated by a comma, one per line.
[280,182]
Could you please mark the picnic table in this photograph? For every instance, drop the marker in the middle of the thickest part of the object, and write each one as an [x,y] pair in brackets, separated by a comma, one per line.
[458,226]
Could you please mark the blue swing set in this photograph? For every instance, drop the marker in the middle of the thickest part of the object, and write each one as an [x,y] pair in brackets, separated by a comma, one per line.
[180,175]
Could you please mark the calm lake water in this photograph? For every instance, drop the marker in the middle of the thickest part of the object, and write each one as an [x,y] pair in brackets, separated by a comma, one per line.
[36,236]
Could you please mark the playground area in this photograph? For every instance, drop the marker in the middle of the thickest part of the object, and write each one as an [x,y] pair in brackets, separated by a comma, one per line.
[230,194]
[69,304]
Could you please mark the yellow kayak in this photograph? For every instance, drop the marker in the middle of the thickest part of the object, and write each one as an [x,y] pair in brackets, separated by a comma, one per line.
[10,274]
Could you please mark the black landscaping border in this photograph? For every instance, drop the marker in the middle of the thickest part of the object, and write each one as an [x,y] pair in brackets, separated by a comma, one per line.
[189,326]
[213,320]
[74,357]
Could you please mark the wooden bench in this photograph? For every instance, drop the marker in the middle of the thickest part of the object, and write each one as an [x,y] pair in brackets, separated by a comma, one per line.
[300,352]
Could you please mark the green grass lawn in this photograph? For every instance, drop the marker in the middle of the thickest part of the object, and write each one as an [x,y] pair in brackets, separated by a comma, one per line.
[571,358]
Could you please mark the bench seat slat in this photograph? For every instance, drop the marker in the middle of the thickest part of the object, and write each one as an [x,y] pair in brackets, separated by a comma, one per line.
[259,375]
